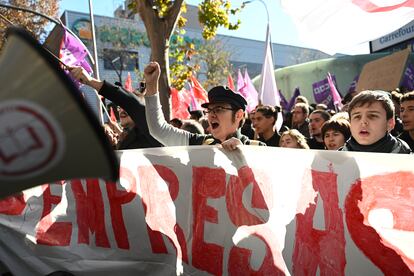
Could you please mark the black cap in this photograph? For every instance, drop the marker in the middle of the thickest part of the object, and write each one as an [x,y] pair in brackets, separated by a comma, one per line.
[223,94]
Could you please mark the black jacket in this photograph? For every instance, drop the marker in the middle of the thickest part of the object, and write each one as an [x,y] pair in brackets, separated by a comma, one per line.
[314,144]
[405,136]
[273,141]
[203,139]
[139,136]
[387,144]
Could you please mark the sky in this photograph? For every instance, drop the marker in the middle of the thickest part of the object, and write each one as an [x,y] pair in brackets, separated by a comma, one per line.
[253,17]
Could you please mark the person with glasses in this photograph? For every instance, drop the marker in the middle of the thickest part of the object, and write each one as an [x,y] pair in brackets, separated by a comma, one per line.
[225,115]
[300,119]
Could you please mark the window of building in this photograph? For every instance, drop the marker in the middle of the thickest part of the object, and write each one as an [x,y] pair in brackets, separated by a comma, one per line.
[115,58]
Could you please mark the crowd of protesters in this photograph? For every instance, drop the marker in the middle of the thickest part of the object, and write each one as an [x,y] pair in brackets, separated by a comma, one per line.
[370,121]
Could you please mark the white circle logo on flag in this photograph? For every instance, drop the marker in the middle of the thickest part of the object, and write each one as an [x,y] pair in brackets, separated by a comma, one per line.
[31,141]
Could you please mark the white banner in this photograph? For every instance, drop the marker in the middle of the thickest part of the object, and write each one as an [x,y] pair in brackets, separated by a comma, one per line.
[335,25]
[201,210]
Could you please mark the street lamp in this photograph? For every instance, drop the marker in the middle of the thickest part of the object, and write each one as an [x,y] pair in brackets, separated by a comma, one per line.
[268,18]
[264,4]
[119,73]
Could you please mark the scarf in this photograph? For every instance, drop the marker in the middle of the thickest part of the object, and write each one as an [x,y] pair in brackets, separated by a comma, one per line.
[387,144]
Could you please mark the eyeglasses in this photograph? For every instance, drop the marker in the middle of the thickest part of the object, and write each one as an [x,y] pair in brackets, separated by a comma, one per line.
[217,110]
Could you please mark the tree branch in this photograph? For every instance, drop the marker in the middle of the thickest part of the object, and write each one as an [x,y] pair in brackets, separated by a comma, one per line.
[173,15]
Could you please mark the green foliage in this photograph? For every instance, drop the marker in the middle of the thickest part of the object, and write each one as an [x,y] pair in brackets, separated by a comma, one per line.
[215,13]
[187,55]
[182,50]
[215,60]
[122,37]
[181,54]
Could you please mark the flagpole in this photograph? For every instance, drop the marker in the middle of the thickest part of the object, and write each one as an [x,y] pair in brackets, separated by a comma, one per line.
[268,17]
[95,57]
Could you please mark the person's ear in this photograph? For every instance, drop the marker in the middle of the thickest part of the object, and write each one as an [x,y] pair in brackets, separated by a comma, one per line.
[240,114]
[390,124]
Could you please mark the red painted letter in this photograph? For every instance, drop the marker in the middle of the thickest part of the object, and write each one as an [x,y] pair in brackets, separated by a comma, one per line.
[48,232]
[239,260]
[116,199]
[158,213]
[323,248]
[90,212]
[394,193]
[207,183]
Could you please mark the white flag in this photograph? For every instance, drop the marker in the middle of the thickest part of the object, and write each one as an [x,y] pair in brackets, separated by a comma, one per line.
[334,25]
[268,89]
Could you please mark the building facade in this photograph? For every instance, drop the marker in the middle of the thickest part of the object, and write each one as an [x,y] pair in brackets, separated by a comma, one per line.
[123,40]
[395,41]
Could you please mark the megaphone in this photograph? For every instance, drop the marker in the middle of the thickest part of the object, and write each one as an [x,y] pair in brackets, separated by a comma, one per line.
[47,132]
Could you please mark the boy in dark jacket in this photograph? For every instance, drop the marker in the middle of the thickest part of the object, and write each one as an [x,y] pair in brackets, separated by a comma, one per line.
[371,115]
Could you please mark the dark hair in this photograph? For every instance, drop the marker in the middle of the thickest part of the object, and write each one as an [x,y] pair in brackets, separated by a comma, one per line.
[176,122]
[321,106]
[407,97]
[301,99]
[324,114]
[369,97]
[341,125]
[396,95]
[204,123]
[233,118]
[348,97]
[193,126]
[304,107]
[197,114]
[268,111]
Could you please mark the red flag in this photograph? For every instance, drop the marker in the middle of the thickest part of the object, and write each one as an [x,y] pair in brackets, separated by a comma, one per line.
[230,82]
[128,83]
[112,114]
[198,91]
[180,101]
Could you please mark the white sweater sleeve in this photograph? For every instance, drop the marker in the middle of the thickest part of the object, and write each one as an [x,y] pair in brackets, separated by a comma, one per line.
[159,128]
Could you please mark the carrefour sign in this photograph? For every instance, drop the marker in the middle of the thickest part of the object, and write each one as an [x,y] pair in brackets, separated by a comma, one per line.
[393,38]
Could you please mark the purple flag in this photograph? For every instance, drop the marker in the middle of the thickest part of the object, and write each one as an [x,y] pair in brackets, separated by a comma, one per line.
[408,79]
[322,92]
[74,53]
[283,102]
[353,85]
[336,97]
[292,100]
[240,81]
[249,92]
